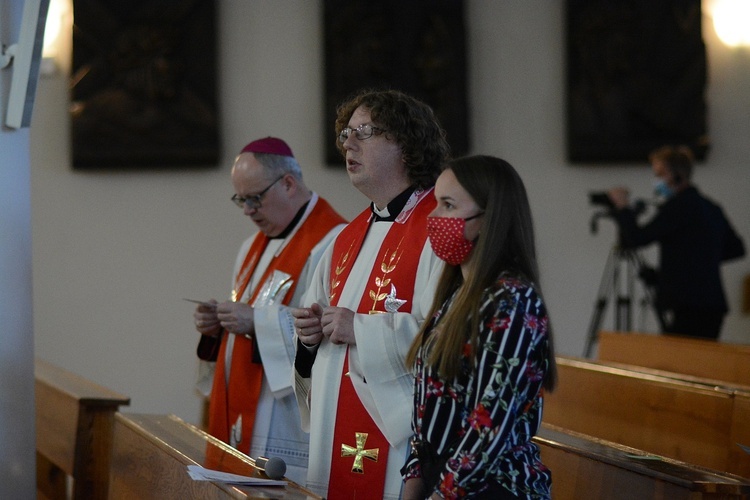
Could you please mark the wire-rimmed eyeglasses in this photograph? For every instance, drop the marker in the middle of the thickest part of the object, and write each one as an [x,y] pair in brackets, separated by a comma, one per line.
[364,131]
[254,200]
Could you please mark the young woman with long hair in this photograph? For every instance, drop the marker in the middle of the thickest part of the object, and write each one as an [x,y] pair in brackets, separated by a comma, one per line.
[484,359]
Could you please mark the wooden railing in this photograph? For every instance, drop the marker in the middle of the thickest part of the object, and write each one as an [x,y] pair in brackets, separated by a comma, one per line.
[586,467]
[151,454]
[702,424]
[697,357]
[74,422]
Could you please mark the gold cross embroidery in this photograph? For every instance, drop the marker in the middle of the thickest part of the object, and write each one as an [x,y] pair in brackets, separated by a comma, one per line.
[359,452]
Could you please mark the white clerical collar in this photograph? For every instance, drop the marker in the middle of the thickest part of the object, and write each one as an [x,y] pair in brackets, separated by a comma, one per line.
[383,214]
[394,207]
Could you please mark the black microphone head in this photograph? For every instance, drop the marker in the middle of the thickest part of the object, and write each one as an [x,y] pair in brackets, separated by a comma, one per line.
[274,467]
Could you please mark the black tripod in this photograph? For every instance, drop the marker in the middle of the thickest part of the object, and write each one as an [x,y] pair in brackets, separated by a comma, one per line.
[623,266]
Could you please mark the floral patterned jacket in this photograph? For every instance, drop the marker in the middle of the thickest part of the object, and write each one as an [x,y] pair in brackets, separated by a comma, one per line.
[484,419]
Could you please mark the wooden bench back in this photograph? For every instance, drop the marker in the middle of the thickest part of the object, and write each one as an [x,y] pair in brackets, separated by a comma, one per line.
[686,421]
[586,467]
[74,422]
[697,357]
[151,454]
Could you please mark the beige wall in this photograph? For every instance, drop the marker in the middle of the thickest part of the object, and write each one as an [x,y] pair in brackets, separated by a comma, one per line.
[114,252]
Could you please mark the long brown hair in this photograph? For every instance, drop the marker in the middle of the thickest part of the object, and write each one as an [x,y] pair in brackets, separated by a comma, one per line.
[505,244]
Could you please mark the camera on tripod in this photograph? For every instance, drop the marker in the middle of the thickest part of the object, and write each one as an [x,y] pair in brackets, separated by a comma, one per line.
[624,266]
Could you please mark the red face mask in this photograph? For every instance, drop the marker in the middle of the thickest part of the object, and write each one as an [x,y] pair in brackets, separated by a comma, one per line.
[447,238]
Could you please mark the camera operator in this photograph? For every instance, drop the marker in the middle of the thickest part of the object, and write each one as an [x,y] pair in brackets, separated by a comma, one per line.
[694,238]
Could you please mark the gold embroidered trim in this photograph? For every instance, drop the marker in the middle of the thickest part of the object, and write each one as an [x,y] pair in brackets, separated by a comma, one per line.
[387,266]
[340,268]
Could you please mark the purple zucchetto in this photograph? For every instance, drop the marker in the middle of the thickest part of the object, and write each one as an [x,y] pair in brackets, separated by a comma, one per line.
[269,145]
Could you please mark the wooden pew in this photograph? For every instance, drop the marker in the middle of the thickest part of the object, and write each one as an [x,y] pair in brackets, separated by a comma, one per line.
[687,421]
[586,467]
[151,454]
[74,422]
[697,357]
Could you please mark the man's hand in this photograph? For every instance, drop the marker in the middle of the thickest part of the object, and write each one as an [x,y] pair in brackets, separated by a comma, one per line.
[338,325]
[619,196]
[206,321]
[307,324]
[236,317]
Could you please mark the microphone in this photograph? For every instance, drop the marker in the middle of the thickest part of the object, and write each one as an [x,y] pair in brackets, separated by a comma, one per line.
[274,467]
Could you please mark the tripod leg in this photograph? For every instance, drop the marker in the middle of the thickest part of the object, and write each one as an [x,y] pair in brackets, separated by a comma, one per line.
[600,306]
[649,290]
[625,298]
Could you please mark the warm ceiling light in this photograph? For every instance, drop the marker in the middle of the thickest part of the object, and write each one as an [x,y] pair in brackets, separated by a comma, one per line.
[732,21]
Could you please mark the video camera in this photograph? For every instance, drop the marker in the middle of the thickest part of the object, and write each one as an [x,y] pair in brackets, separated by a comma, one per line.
[601,199]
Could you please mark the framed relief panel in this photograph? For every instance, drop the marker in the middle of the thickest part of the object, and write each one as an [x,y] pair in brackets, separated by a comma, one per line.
[636,78]
[417,47]
[143,84]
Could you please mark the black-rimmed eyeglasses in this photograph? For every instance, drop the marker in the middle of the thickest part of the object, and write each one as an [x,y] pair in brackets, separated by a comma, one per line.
[254,200]
[362,132]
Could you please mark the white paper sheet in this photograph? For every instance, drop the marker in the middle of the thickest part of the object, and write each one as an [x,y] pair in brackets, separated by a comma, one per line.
[199,473]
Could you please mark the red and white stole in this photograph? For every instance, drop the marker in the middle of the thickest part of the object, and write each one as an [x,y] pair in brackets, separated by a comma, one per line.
[360,450]
[240,396]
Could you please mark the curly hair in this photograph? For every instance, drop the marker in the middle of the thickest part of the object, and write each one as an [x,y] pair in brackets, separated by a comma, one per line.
[408,121]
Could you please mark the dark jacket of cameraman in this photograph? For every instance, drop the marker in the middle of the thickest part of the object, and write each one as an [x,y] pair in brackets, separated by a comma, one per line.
[695,238]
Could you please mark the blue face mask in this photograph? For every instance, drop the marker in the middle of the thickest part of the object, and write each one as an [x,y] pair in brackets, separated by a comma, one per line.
[662,189]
